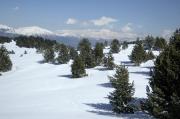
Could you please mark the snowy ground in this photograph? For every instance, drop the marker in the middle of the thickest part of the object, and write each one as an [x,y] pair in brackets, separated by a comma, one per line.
[32,90]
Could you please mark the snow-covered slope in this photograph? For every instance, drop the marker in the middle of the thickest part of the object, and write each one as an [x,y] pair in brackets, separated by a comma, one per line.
[32,90]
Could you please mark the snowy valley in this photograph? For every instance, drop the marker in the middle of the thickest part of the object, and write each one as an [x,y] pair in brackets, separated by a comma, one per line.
[35,90]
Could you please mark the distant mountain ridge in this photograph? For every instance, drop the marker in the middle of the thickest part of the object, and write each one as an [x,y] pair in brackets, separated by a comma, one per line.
[41,32]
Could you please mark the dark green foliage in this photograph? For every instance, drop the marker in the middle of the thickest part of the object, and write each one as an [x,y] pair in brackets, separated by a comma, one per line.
[149,55]
[174,40]
[138,54]
[115,46]
[34,42]
[149,42]
[5,62]
[164,99]
[73,53]
[49,55]
[122,95]
[124,45]
[4,39]
[98,53]
[84,44]
[106,43]
[63,54]
[86,53]
[108,61]
[78,68]
[160,43]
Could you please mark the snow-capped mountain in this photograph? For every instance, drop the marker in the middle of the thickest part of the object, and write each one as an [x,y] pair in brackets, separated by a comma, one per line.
[68,39]
[27,31]
[7,29]
[33,31]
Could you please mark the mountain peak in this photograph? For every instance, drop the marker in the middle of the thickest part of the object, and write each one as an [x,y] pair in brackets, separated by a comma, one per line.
[33,30]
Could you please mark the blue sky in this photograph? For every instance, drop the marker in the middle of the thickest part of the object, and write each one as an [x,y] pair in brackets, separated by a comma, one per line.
[142,16]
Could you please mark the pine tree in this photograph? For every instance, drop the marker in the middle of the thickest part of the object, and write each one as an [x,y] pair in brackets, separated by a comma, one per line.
[115,46]
[138,54]
[164,99]
[63,55]
[108,61]
[149,42]
[49,55]
[124,45]
[106,43]
[87,53]
[73,53]
[5,62]
[78,68]
[122,95]
[149,55]
[98,52]
[160,43]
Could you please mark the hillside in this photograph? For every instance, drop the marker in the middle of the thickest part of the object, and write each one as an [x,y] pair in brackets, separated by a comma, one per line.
[32,90]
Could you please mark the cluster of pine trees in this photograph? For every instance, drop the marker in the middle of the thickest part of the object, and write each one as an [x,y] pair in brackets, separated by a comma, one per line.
[4,39]
[151,43]
[34,42]
[164,96]
[142,50]
[139,53]
[89,57]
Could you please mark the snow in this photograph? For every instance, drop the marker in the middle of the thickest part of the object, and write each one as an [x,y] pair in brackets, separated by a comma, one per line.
[7,29]
[35,90]
[33,30]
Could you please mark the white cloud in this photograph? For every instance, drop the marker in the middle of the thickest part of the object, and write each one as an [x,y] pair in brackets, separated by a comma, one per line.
[16,8]
[103,21]
[71,21]
[127,28]
[167,33]
[99,34]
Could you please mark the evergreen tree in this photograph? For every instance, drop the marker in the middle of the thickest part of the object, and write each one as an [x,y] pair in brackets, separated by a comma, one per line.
[149,55]
[160,43]
[149,42]
[138,54]
[5,62]
[78,68]
[164,99]
[86,53]
[98,52]
[106,43]
[122,95]
[124,45]
[73,53]
[49,55]
[63,55]
[108,61]
[115,46]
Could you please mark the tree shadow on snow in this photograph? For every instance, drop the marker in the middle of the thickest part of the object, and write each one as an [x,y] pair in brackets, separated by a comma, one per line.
[106,85]
[102,69]
[101,109]
[66,76]
[128,63]
[148,67]
[41,62]
[146,73]
[105,109]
